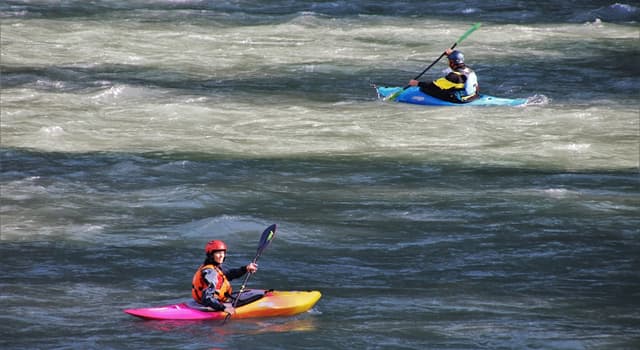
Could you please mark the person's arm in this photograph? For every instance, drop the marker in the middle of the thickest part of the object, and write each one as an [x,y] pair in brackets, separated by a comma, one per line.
[209,294]
[421,84]
[239,272]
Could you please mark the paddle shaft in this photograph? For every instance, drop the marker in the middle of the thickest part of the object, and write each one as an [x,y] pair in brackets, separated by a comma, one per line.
[432,64]
[244,282]
[266,238]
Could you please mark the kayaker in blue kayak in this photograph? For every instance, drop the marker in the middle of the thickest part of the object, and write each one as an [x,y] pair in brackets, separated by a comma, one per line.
[459,85]
[210,286]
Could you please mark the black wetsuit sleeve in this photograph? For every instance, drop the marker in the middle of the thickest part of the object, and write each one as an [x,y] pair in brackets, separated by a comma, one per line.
[422,84]
[234,273]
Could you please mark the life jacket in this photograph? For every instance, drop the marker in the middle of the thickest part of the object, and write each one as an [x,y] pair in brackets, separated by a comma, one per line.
[446,84]
[199,284]
[456,83]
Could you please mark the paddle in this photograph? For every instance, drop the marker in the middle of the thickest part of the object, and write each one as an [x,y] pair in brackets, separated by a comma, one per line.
[266,238]
[395,95]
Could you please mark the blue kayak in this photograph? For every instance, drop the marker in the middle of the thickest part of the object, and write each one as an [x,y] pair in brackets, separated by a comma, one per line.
[415,96]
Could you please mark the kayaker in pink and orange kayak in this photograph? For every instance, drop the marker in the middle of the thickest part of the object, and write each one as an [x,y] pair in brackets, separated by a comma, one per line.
[210,286]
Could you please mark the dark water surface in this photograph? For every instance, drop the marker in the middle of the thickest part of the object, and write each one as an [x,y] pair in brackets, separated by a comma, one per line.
[134,132]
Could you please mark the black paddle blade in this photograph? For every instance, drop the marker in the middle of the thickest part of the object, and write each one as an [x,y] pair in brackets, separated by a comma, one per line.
[267,236]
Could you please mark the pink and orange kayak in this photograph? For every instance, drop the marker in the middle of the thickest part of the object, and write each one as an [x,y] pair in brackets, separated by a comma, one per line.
[254,303]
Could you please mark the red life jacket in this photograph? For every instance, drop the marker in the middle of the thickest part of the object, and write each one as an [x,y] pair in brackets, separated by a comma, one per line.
[199,284]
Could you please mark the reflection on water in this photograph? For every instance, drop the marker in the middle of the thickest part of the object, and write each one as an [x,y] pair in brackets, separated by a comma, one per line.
[219,330]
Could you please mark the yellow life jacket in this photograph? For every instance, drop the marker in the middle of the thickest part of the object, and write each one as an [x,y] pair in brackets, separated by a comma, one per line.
[446,84]
[456,86]
[199,284]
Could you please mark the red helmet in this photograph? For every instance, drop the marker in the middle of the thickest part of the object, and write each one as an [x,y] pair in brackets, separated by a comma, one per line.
[215,245]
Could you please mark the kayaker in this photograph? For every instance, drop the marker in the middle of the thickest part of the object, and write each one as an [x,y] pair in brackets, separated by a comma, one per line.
[210,286]
[459,85]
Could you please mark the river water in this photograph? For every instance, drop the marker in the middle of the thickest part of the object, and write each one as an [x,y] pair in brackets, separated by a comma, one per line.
[134,132]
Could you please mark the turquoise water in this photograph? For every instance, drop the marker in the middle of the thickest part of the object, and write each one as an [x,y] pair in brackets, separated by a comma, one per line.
[132,133]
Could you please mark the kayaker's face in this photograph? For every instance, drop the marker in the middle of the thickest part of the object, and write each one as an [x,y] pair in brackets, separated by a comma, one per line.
[218,256]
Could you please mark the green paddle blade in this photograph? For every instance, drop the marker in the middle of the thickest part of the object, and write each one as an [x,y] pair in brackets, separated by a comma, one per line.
[468,32]
[395,95]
